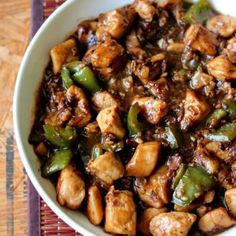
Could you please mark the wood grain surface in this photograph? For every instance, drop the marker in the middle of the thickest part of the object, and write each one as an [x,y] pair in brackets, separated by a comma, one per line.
[14,37]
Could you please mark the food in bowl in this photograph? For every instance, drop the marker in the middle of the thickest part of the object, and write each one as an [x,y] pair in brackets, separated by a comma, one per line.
[135,120]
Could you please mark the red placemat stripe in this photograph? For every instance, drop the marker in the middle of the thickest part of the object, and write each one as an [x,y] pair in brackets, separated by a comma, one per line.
[49,6]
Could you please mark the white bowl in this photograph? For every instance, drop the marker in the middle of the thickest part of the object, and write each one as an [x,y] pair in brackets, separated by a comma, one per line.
[55,29]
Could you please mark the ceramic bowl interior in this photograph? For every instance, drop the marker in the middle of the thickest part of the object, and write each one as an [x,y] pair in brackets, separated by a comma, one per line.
[57,27]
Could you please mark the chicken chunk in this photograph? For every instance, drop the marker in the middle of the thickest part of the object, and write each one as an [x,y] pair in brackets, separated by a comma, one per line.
[215,221]
[82,115]
[134,46]
[172,224]
[231,50]
[70,188]
[200,39]
[154,110]
[94,205]
[107,57]
[222,68]
[87,32]
[104,99]
[107,168]
[63,53]
[159,88]
[145,9]
[230,199]
[115,23]
[109,122]
[120,213]
[223,25]
[195,109]
[144,159]
[205,159]
[154,191]
[146,217]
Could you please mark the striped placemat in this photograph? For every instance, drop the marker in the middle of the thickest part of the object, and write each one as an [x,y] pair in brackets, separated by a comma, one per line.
[42,220]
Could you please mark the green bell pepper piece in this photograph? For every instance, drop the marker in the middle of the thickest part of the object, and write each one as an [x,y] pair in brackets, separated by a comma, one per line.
[66,77]
[56,162]
[84,76]
[198,12]
[225,133]
[215,117]
[193,184]
[179,175]
[97,151]
[174,136]
[135,127]
[60,137]
[231,108]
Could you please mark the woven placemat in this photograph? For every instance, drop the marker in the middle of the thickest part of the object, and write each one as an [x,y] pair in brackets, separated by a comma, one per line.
[42,220]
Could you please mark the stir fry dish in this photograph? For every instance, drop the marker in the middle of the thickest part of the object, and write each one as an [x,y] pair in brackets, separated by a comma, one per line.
[136,119]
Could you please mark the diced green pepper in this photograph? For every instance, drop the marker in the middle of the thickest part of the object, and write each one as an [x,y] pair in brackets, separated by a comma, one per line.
[84,76]
[57,162]
[225,133]
[60,137]
[179,175]
[231,108]
[66,77]
[215,117]
[198,12]
[192,185]
[174,136]
[97,151]
[135,127]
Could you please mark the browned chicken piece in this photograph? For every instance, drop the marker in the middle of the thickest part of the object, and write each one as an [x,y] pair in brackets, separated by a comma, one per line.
[209,197]
[120,213]
[159,88]
[172,224]
[226,177]
[133,46]
[215,221]
[106,57]
[200,79]
[146,216]
[145,9]
[142,72]
[70,188]
[87,32]
[95,210]
[168,3]
[63,53]
[109,122]
[144,159]
[104,99]
[59,117]
[223,25]
[225,154]
[200,39]
[231,50]
[107,168]
[82,115]
[206,160]
[176,48]
[154,110]
[230,200]
[195,109]
[154,190]
[115,23]
[222,68]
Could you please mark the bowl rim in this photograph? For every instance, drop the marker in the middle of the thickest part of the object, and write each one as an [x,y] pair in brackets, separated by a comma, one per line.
[16,114]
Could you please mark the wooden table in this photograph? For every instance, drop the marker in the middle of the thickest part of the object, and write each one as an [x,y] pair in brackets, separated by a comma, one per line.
[14,37]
